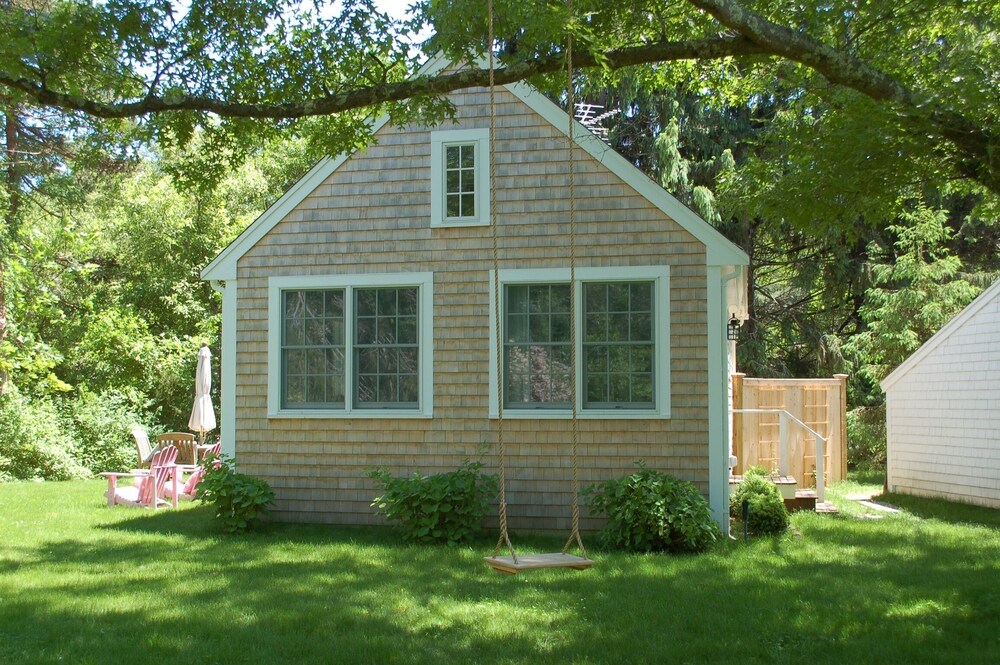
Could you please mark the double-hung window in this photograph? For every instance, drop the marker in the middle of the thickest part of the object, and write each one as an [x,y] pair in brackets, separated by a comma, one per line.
[537,350]
[618,345]
[460,178]
[622,337]
[350,346]
[312,348]
[386,347]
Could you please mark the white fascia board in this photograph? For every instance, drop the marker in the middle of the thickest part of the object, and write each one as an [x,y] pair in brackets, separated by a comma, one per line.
[719,250]
[956,322]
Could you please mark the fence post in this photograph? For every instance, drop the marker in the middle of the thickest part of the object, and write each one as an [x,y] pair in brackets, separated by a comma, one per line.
[820,470]
[842,448]
[783,443]
[738,422]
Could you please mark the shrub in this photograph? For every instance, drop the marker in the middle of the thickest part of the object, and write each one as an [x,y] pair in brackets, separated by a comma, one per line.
[866,437]
[33,444]
[240,500]
[442,508]
[767,513]
[757,470]
[101,424]
[651,511]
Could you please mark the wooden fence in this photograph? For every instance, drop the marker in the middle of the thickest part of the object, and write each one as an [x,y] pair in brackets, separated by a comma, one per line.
[819,403]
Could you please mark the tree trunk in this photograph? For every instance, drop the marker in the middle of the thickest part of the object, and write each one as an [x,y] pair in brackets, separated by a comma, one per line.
[12,183]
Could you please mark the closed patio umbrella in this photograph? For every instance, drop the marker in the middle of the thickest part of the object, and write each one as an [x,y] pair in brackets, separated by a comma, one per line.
[202,418]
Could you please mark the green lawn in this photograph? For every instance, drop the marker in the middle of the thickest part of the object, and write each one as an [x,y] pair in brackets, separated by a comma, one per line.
[82,583]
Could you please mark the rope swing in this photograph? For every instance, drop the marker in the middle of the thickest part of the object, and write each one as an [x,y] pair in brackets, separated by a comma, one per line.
[513,563]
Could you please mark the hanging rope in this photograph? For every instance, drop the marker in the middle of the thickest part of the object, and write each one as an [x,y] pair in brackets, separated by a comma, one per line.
[498,328]
[562,560]
[575,533]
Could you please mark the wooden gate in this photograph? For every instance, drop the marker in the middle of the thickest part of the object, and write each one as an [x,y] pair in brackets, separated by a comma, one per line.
[819,403]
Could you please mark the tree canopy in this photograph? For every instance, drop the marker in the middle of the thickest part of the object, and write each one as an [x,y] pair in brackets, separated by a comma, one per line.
[238,69]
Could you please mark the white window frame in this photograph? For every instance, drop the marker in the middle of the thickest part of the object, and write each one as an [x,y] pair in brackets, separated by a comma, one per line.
[424,281]
[480,138]
[659,275]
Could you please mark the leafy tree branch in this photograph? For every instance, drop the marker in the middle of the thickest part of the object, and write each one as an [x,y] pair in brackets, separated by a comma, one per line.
[277,61]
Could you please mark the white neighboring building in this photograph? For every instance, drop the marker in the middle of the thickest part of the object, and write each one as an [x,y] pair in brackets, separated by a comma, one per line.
[943,410]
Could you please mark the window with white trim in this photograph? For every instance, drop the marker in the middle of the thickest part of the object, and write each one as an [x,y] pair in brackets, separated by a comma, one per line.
[622,324]
[312,349]
[537,351]
[618,345]
[350,346]
[386,348]
[460,179]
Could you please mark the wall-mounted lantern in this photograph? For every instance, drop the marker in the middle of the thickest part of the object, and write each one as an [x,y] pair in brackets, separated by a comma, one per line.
[733,329]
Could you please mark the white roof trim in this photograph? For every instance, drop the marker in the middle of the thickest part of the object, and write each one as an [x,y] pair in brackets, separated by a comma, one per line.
[956,322]
[719,251]
[223,266]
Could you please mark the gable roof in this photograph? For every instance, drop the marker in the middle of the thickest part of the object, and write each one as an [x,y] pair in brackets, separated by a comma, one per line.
[719,250]
[942,335]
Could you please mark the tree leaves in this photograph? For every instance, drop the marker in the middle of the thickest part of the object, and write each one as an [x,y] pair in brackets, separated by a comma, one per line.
[916,289]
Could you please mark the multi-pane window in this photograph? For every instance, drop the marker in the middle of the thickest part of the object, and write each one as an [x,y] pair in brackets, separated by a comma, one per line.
[537,358]
[617,351]
[618,348]
[460,180]
[312,349]
[349,348]
[386,350]
[460,177]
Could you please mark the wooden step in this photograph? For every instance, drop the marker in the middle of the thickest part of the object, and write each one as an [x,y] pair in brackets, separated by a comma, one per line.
[826,507]
[786,484]
[803,500]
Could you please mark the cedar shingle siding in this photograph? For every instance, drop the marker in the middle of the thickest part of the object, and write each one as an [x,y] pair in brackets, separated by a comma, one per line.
[372,215]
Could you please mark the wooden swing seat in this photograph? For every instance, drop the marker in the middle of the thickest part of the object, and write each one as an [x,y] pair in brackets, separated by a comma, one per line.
[511,565]
[507,564]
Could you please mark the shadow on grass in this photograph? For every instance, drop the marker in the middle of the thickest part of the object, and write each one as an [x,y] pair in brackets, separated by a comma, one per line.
[946,511]
[169,585]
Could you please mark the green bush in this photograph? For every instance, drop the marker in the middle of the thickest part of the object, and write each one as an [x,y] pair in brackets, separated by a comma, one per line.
[33,443]
[757,470]
[441,508]
[767,513]
[651,511]
[240,500]
[101,425]
[866,437]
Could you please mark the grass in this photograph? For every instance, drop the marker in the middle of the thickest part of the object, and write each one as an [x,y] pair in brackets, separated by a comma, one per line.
[83,583]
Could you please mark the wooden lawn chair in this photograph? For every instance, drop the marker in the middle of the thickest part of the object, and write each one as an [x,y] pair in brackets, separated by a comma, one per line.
[143,447]
[149,489]
[189,490]
[186,445]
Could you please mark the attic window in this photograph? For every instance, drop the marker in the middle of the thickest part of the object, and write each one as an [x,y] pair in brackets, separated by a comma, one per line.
[460,178]
[460,181]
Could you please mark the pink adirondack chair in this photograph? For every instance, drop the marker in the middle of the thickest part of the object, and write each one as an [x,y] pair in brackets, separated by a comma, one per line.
[189,490]
[149,490]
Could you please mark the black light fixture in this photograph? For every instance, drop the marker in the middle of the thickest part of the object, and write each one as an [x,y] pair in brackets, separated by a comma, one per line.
[733,329]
